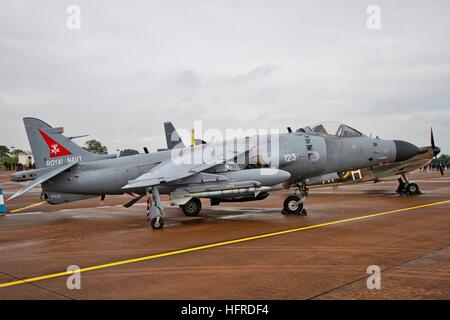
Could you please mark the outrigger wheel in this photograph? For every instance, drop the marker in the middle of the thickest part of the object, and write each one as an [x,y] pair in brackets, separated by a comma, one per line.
[293,205]
[155,209]
[192,207]
[157,222]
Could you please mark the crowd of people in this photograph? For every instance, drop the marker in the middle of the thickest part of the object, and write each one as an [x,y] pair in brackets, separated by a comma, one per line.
[18,166]
[432,167]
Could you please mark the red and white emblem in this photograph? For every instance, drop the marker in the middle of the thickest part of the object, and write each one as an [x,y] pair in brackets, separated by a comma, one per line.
[56,149]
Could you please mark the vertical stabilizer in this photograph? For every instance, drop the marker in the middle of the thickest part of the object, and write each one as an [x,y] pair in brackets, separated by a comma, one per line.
[51,148]
[172,138]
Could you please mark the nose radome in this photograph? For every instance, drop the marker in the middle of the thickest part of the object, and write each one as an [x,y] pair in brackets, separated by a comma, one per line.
[405,150]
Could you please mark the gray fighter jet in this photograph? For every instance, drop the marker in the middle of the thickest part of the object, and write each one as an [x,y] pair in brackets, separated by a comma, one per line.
[382,171]
[219,171]
[373,173]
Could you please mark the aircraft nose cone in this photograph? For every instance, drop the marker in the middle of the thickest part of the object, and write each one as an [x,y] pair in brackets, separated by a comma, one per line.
[405,150]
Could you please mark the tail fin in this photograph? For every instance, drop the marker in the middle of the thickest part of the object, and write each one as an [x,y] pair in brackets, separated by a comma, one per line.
[51,148]
[172,138]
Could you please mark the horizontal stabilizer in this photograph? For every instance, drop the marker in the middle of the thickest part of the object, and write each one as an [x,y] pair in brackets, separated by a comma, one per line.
[41,179]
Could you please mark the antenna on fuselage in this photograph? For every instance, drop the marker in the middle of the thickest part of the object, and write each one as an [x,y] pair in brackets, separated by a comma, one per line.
[76,137]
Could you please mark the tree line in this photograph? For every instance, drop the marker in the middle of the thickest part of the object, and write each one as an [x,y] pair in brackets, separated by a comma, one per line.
[11,155]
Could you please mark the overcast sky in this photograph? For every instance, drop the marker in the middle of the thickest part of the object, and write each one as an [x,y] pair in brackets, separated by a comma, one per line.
[232,64]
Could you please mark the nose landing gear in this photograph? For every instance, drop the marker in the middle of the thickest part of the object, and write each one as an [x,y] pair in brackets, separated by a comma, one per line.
[293,204]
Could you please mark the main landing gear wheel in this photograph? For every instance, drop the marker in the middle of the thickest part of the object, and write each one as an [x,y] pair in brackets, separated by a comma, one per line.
[157,222]
[192,207]
[293,205]
[412,188]
[404,187]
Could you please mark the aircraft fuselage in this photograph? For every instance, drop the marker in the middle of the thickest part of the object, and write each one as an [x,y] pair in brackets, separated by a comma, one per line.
[302,155]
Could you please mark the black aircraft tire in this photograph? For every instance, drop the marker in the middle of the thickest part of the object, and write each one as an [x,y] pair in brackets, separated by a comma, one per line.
[192,207]
[291,205]
[412,188]
[157,223]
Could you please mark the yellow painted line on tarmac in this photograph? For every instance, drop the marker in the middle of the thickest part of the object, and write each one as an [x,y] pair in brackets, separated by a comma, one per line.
[28,207]
[213,245]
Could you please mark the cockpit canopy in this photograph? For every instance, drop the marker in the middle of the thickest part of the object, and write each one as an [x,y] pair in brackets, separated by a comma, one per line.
[333,129]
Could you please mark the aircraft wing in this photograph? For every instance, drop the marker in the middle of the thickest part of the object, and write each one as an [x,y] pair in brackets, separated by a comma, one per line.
[166,172]
[181,166]
[41,179]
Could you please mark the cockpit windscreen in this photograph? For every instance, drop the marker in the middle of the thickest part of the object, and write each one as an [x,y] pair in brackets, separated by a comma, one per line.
[334,129]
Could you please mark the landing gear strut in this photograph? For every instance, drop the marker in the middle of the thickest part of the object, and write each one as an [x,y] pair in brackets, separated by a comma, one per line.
[293,204]
[404,187]
[155,209]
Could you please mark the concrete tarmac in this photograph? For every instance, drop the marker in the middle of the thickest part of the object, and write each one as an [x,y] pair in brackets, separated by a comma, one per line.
[323,256]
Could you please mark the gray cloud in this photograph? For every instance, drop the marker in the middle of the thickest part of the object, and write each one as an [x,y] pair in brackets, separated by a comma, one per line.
[255,74]
[232,64]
